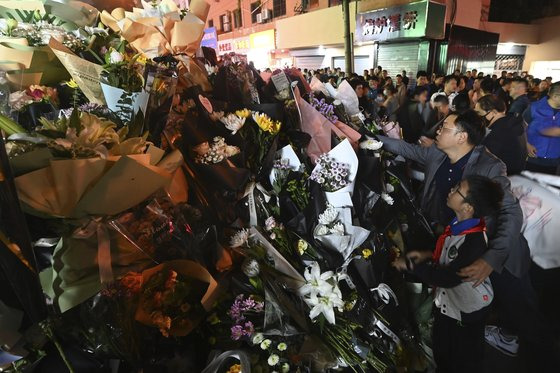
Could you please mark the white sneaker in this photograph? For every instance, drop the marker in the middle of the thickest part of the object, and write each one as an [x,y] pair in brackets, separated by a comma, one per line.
[506,344]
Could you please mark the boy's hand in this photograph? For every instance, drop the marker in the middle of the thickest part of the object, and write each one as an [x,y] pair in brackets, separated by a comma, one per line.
[400,264]
[531,151]
[476,272]
[419,256]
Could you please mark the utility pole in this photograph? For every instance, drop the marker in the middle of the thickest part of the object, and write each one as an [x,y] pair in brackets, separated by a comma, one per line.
[347,38]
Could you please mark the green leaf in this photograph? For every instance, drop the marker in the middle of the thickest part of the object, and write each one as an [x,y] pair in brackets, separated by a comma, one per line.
[75,121]
[136,126]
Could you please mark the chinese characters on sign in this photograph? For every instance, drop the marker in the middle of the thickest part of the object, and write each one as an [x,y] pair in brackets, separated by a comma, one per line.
[419,19]
[410,20]
[224,47]
[241,44]
[390,23]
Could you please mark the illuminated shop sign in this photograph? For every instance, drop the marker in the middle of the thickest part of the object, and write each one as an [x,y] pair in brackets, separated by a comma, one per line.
[415,20]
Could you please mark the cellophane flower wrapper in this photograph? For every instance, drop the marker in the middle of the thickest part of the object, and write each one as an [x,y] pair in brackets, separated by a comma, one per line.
[27,65]
[162,30]
[344,244]
[167,231]
[201,297]
[343,153]
[251,208]
[238,84]
[75,275]
[225,174]
[371,170]
[317,85]
[29,116]
[317,126]
[346,94]
[320,128]
[293,162]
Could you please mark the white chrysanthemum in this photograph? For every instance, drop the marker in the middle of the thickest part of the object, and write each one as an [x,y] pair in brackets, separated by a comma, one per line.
[265,344]
[273,360]
[258,338]
[282,346]
[337,229]
[387,198]
[285,368]
[371,144]
[233,122]
[390,188]
[321,230]
[240,238]
[328,216]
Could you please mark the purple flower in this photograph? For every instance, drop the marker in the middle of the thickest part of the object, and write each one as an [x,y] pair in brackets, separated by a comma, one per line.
[236,332]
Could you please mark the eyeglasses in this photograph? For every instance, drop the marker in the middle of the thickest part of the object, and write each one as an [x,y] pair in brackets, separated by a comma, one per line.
[456,188]
[441,128]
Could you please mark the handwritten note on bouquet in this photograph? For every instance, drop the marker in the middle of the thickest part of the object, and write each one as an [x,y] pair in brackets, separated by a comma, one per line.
[280,81]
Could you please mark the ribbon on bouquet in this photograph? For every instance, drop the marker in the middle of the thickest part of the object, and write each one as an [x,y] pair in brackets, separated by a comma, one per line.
[385,293]
[253,219]
[377,323]
[217,362]
[99,227]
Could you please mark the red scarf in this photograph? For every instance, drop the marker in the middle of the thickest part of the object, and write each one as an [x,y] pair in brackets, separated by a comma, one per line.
[480,227]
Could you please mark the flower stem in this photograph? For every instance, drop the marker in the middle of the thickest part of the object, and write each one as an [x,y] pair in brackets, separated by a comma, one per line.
[48,329]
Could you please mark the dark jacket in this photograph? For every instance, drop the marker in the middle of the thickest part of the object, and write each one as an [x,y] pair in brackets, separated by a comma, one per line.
[411,121]
[507,246]
[504,96]
[506,140]
[519,105]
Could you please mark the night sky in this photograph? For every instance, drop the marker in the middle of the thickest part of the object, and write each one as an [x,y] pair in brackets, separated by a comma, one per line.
[522,11]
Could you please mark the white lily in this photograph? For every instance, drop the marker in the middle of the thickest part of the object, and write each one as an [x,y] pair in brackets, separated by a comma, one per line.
[233,122]
[325,305]
[317,282]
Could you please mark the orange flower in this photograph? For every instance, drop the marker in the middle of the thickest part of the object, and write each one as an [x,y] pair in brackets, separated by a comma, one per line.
[132,281]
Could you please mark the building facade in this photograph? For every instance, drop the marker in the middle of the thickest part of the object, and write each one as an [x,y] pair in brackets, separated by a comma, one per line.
[310,34]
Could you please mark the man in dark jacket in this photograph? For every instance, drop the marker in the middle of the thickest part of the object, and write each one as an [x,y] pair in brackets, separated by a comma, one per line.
[518,93]
[414,114]
[456,154]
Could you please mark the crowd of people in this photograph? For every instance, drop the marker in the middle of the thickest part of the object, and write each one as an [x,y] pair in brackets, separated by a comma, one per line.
[467,133]
[520,112]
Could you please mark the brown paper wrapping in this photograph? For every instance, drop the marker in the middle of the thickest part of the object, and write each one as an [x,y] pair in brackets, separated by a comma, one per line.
[86,74]
[76,188]
[165,35]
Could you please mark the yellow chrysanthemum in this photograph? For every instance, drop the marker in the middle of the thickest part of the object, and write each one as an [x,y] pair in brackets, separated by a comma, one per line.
[236,368]
[366,253]
[72,84]
[245,113]
[302,247]
[266,124]
[142,59]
